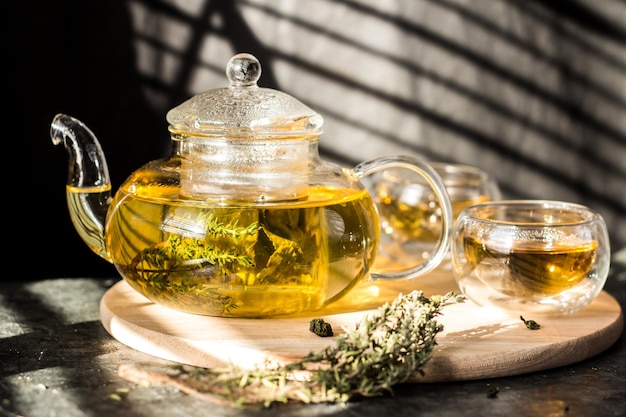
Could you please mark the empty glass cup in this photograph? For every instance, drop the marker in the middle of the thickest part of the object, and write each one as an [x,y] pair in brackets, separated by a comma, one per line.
[547,257]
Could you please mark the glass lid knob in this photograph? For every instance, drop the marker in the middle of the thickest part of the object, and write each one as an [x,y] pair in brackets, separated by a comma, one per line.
[243,70]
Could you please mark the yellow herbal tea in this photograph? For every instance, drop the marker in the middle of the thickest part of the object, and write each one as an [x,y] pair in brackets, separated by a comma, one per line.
[530,269]
[239,260]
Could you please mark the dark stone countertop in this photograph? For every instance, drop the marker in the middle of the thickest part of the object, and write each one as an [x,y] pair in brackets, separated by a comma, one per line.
[56,359]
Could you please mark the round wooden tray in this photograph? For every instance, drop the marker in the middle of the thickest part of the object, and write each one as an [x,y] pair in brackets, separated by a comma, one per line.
[476,342]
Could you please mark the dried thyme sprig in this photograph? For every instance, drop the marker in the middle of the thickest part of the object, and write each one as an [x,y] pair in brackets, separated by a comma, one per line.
[381,351]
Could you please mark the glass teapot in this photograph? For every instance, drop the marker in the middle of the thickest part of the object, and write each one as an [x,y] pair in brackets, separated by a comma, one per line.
[243,219]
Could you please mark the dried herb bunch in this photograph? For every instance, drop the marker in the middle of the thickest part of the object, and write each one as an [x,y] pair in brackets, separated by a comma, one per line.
[383,350]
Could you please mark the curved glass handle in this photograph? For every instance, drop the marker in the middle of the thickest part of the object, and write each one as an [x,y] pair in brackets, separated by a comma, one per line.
[435,182]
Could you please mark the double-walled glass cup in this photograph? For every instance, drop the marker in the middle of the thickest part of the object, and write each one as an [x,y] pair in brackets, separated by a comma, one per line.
[547,257]
[411,214]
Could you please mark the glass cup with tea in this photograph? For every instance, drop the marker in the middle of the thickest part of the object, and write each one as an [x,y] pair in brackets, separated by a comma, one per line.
[544,257]
[410,212]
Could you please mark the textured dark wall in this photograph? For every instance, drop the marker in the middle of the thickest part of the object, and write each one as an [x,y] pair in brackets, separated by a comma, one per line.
[532,91]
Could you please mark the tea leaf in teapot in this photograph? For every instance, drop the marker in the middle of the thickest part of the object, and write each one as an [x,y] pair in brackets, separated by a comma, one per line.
[232,231]
[226,246]
[295,248]
[286,259]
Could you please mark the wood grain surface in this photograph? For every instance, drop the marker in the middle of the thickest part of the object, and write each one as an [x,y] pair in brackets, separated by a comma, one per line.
[476,343]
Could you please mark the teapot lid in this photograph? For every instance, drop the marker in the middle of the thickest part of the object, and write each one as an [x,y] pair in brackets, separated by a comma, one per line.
[244,108]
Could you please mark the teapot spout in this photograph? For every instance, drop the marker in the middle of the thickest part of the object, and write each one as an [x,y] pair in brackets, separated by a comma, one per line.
[88,188]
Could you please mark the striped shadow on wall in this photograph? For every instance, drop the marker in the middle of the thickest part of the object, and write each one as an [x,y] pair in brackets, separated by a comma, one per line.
[534,92]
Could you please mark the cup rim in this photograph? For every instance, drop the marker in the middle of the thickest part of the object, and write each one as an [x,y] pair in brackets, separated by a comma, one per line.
[478,211]
[476,175]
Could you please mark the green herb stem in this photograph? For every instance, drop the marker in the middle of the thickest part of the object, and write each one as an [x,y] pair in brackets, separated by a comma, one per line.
[381,351]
